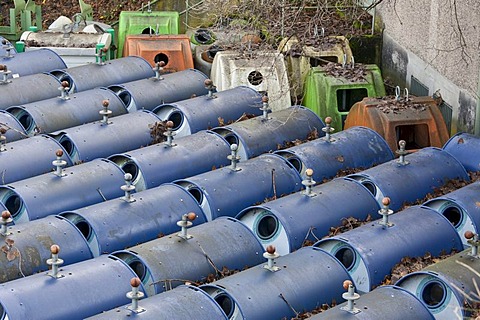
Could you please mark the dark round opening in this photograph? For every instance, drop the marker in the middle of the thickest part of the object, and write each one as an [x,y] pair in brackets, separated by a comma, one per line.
[148,31]
[370,187]
[213,50]
[231,139]
[433,294]
[267,227]
[346,256]
[62,76]
[161,57]
[13,204]
[196,193]
[3,314]
[454,215]
[26,121]
[177,118]
[203,36]
[125,97]
[294,161]
[123,94]
[131,167]
[226,303]
[67,145]
[84,228]
[139,268]
[255,78]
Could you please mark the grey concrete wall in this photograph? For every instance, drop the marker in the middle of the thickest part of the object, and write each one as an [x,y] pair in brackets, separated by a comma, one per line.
[438,43]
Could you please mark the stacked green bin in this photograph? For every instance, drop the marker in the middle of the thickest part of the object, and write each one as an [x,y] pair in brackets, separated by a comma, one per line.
[136,22]
[330,96]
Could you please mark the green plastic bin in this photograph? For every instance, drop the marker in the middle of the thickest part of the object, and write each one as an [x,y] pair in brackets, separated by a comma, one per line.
[334,96]
[137,22]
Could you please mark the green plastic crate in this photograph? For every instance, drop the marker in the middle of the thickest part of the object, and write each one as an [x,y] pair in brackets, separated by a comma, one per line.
[136,22]
[330,96]
[21,19]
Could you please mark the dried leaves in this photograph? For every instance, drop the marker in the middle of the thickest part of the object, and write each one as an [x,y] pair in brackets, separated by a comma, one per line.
[356,73]
[156,131]
[391,105]
[10,250]
[408,265]
[449,186]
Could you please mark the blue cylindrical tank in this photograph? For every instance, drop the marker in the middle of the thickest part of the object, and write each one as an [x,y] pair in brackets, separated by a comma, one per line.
[56,113]
[182,303]
[461,208]
[160,163]
[288,221]
[386,302]
[31,247]
[449,288]
[210,248]
[48,194]
[118,224]
[304,280]
[115,71]
[81,290]
[227,191]
[28,89]
[30,157]
[258,135]
[356,147]
[369,252]
[15,130]
[32,62]
[149,93]
[4,45]
[96,140]
[426,169]
[205,112]
[465,147]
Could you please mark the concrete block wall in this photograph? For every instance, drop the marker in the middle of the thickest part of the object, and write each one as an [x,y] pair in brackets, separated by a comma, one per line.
[437,42]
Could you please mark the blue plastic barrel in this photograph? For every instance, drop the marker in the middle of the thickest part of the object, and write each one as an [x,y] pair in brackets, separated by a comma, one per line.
[449,288]
[304,280]
[32,62]
[369,252]
[56,113]
[465,148]
[289,221]
[461,208]
[356,147]
[30,157]
[426,169]
[205,112]
[386,302]
[76,187]
[15,130]
[149,93]
[115,71]
[258,135]
[224,244]
[184,302]
[28,89]
[118,224]
[120,134]
[31,247]
[227,191]
[160,163]
[81,290]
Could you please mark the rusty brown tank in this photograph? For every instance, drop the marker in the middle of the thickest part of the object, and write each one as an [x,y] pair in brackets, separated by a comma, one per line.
[417,120]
